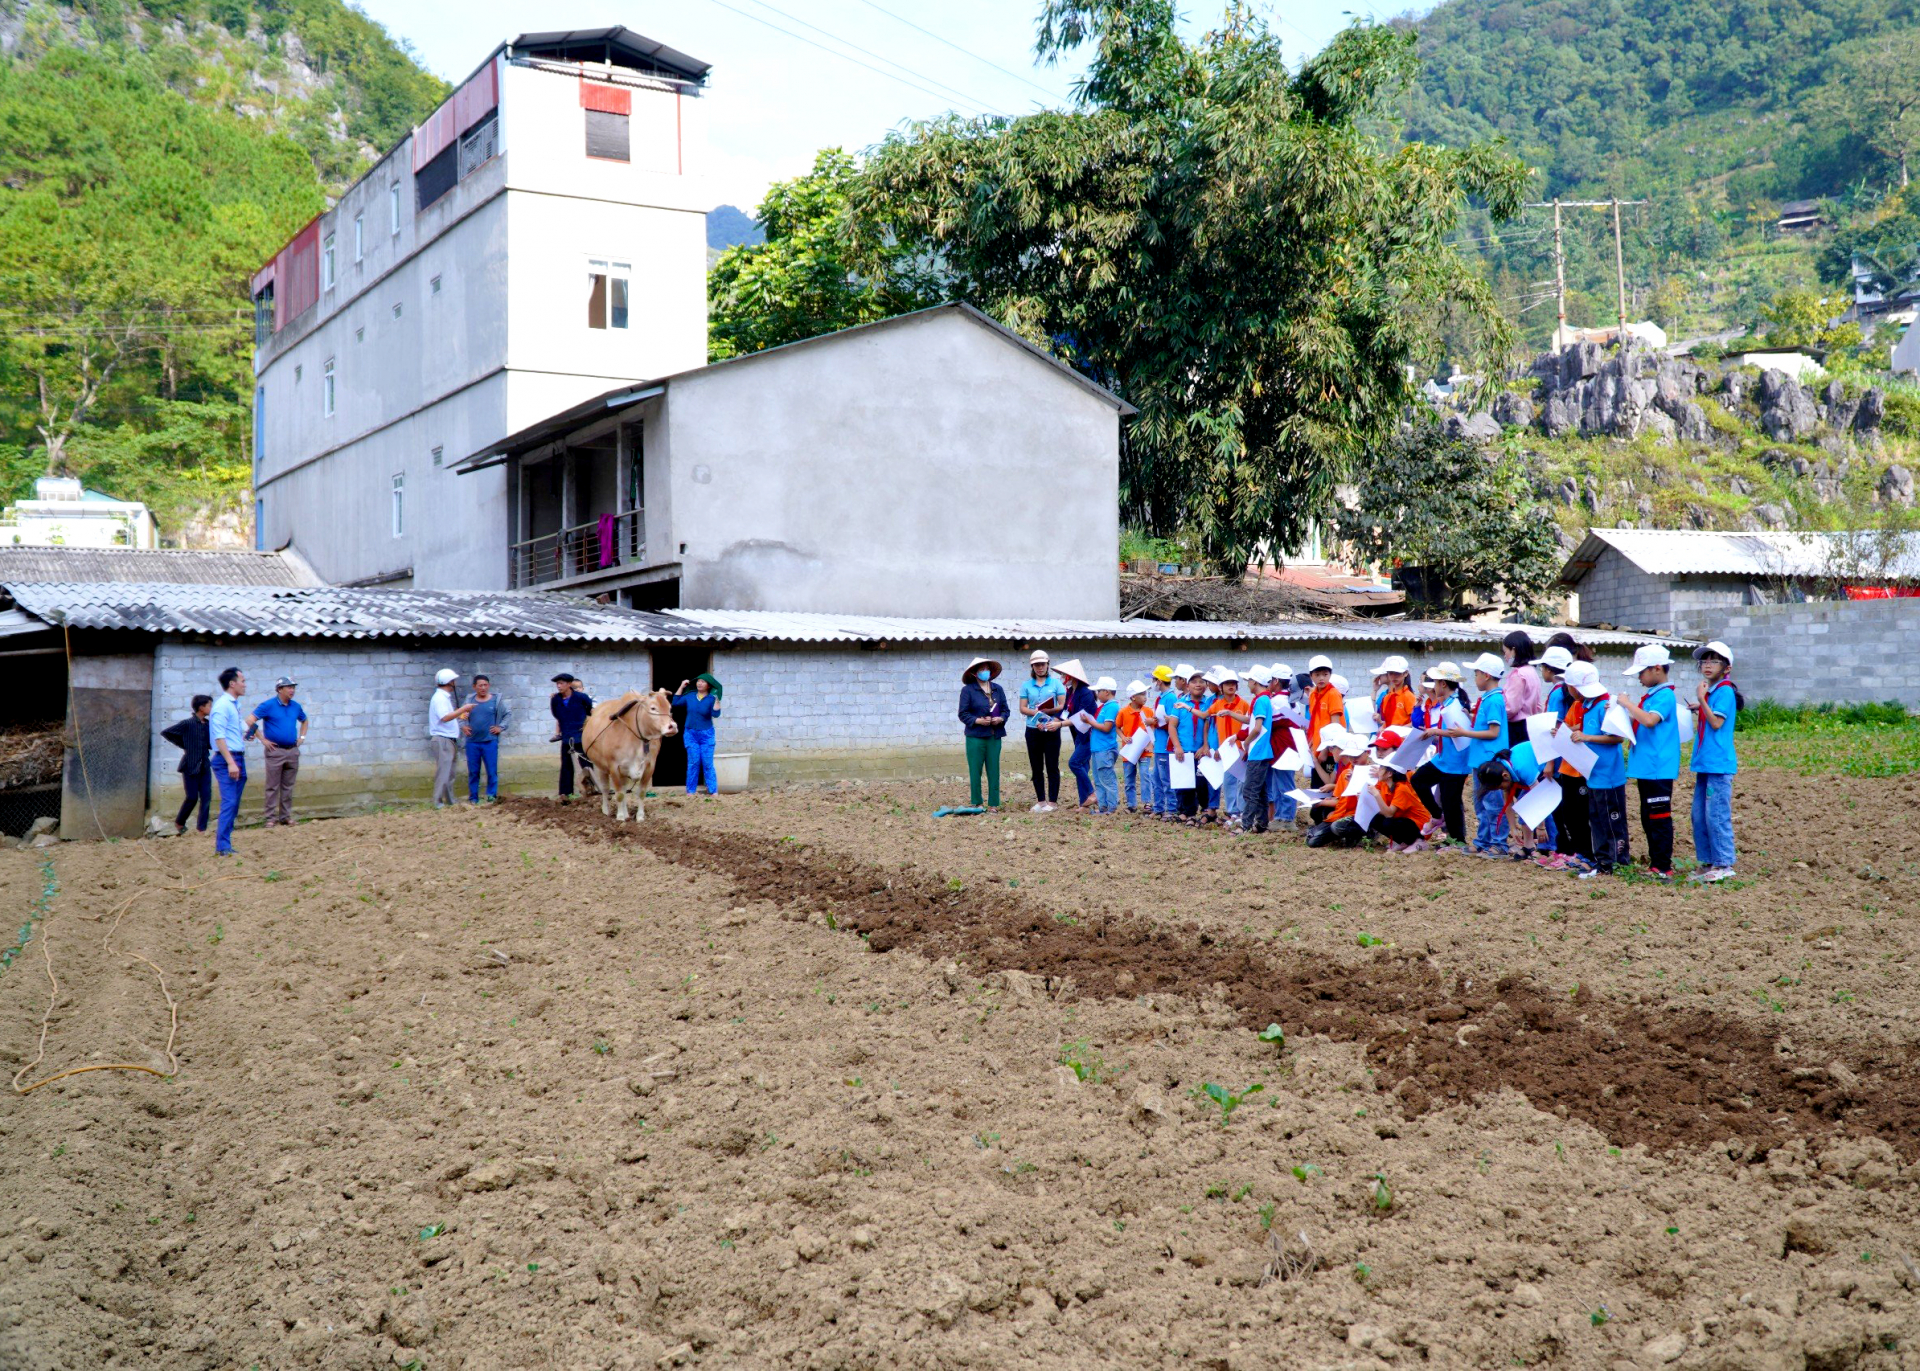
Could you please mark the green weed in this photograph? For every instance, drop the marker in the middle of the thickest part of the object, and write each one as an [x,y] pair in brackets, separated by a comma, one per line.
[1227,1100]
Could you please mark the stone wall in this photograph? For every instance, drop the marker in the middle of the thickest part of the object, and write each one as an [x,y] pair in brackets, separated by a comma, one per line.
[1617,592]
[1840,651]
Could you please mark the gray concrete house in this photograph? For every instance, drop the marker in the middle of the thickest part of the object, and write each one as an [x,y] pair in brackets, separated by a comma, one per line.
[1686,582]
[932,464]
[808,696]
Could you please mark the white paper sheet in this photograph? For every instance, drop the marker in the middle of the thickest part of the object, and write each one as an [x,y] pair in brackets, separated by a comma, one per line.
[1238,771]
[1368,809]
[1358,779]
[1292,713]
[1180,772]
[1616,722]
[1214,772]
[1307,799]
[1289,761]
[1453,716]
[1081,721]
[1229,754]
[1360,717]
[1136,746]
[1546,743]
[1533,807]
[1407,758]
[1579,756]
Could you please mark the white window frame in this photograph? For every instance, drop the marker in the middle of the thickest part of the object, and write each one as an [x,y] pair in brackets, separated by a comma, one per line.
[327,274]
[435,283]
[393,209]
[399,504]
[615,275]
[439,454]
[360,237]
[326,389]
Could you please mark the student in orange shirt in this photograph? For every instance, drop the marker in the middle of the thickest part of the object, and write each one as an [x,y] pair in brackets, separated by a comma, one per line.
[1324,703]
[1133,717]
[1393,706]
[1334,825]
[1229,713]
[1402,818]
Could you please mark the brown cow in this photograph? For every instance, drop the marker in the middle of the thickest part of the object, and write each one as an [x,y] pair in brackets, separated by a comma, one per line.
[621,740]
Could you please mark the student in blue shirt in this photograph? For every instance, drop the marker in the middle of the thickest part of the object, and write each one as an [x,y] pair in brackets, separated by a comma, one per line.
[1445,773]
[1103,745]
[1259,739]
[703,707]
[1486,740]
[1607,782]
[1042,696]
[1714,762]
[1654,764]
[1166,738]
[283,726]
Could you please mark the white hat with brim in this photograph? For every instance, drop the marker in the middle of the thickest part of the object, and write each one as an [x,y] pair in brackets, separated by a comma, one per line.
[1072,670]
[993,668]
[446,676]
[1591,689]
[1320,664]
[1185,671]
[1281,671]
[1212,678]
[1490,665]
[1445,671]
[1555,659]
[1339,683]
[1584,679]
[1229,675]
[1647,657]
[1395,663]
[1718,649]
[1039,655]
[1259,675]
[1136,687]
[1108,684]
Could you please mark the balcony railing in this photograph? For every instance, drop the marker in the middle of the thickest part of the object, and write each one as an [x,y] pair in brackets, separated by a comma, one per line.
[607,542]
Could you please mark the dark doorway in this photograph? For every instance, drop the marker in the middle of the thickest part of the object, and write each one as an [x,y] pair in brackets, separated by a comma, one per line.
[656,595]
[672,664]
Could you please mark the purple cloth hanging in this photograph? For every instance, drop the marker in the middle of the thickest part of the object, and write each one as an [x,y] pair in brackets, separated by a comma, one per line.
[606,541]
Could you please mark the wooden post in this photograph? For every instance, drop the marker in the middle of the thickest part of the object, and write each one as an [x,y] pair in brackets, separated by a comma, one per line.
[1620,270]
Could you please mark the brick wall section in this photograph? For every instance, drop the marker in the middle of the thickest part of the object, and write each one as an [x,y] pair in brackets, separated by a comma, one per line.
[801,713]
[1617,592]
[1843,651]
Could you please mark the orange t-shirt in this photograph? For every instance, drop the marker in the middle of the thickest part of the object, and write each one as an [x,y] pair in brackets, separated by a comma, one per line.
[1397,708]
[1129,721]
[1229,717]
[1576,715]
[1344,806]
[1324,706]
[1405,800]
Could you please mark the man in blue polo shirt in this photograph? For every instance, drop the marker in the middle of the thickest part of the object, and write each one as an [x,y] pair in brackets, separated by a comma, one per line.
[571,705]
[229,730]
[283,723]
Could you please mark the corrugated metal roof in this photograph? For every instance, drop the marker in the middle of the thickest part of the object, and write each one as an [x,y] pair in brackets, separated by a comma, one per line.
[176,566]
[382,612]
[1864,556]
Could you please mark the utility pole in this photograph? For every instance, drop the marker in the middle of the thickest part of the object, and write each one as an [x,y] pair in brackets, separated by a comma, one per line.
[1560,258]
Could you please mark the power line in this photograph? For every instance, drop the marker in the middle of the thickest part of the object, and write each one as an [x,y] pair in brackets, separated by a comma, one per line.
[967,52]
[834,52]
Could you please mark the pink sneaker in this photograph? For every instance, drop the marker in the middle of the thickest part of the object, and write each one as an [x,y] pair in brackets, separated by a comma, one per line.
[1417,845]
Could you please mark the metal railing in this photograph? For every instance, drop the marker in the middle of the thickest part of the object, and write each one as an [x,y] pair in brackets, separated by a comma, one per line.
[578,551]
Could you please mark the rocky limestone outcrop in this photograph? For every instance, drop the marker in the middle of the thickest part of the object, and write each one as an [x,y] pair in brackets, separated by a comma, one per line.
[1787,411]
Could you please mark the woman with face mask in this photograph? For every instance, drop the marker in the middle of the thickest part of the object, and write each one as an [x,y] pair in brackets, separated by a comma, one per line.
[983,714]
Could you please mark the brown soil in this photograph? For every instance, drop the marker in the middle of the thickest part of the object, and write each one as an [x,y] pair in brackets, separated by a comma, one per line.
[658,1102]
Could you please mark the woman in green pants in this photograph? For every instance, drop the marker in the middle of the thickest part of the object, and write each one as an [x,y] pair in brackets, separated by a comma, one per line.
[983,710]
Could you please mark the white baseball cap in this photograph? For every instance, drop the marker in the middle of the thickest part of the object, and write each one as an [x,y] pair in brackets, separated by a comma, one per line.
[1339,683]
[1039,655]
[1186,671]
[1395,663]
[1226,674]
[1259,675]
[1557,658]
[1584,677]
[1136,687]
[1281,671]
[446,676]
[1648,655]
[1495,667]
[1107,683]
[1717,648]
[1318,663]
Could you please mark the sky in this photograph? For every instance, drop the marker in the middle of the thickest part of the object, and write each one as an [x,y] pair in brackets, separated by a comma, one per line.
[793,76]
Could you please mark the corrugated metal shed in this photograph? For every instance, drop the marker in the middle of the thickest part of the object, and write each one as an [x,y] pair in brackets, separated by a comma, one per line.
[77,565]
[1864,556]
[379,612]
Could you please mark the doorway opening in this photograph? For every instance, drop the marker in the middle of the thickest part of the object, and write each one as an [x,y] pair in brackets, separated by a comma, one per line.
[672,664]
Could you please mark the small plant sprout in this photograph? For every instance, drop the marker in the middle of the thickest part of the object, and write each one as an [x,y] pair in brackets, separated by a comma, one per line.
[1274,1034]
[432,1230]
[1382,1194]
[1083,1061]
[1305,1172]
[1266,1215]
[1228,1100]
[1600,1316]
[601,1046]
[1368,940]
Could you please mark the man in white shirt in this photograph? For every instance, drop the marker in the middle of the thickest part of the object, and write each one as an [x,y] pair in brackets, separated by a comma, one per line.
[445,714]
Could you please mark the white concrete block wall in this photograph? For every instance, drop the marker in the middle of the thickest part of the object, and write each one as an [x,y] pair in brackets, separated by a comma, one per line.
[1839,651]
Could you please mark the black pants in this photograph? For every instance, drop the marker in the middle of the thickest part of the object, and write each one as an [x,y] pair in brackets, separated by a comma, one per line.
[1195,800]
[1253,795]
[1572,830]
[199,786]
[567,745]
[1607,818]
[1398,829]
[1656,821]
[1452,816]
[1339,833]
[1043,755]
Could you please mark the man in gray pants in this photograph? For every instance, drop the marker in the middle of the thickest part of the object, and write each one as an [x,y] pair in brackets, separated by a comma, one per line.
[444,719]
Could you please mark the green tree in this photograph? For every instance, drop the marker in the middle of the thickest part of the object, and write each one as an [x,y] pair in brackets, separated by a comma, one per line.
[802,282]
[1240,250]
[1462,514]
[1886,245]
[1875,88]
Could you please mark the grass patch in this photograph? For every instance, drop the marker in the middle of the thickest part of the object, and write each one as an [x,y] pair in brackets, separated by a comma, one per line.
[1848,740]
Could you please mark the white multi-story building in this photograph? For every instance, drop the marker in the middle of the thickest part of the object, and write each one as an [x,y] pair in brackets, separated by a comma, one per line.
[539,239]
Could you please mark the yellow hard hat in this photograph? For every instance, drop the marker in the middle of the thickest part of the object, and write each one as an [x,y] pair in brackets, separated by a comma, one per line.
[1163,674]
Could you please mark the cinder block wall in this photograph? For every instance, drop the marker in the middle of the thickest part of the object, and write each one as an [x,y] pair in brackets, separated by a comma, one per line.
[1843,651]
[1617,592]
[368,704]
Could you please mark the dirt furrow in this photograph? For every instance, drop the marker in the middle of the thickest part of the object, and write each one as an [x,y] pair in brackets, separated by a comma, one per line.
[1639,1074]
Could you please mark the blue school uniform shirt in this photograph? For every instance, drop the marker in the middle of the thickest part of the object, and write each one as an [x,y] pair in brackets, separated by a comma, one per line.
[1262,751]
[1610,767]
[1492,709]
[1656,747]
[1557,702]
[1526,767]
[700,713]
[1713,747]
[1449,760]
[1191,721]
[1169,701]
[1037,693]
[1106,742]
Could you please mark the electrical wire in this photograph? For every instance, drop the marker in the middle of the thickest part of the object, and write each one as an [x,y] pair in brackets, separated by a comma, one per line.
[834,52]
[967,52]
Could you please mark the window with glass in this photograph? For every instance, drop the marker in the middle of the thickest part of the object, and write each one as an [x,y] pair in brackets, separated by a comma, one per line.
[608,283]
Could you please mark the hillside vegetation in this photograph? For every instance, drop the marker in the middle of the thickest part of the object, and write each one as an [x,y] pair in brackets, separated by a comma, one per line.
[151,158]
